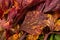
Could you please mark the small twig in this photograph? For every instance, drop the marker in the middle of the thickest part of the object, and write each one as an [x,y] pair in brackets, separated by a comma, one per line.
[23,36]
[47,35]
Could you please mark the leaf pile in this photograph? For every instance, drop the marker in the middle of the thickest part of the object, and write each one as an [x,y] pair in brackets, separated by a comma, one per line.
[28,19]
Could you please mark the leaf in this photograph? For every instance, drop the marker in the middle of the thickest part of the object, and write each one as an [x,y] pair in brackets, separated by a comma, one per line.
[54,37]
[57,36]
[51,6]
[51,37]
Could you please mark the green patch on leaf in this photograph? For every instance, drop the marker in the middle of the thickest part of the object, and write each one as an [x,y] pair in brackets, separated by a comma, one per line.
[54,37]
[57,36]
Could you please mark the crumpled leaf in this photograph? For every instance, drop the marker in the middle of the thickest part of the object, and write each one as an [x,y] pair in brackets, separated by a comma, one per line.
[32,23]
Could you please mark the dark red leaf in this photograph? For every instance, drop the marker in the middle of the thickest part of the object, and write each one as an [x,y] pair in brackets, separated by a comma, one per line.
[51,5]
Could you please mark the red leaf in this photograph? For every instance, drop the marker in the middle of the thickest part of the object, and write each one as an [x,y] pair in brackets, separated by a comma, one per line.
[1,13]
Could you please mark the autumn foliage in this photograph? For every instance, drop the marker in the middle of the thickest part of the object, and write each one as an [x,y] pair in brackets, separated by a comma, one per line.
[27,19]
